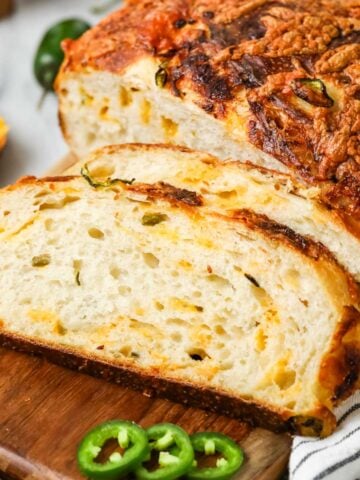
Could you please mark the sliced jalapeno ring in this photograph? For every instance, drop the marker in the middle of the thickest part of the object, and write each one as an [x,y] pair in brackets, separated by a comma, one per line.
[211,443]
[163,437]
[130,437]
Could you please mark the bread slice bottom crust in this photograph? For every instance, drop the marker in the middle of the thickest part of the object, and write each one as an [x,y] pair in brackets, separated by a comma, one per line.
[153,385]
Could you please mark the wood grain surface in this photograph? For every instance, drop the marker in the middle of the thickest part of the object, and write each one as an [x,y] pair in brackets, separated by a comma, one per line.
[45,410]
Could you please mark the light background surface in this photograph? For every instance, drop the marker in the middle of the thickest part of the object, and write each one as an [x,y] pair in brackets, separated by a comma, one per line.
[35,141]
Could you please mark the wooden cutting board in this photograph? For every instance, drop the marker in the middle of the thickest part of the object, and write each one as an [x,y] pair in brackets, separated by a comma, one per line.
[45,410]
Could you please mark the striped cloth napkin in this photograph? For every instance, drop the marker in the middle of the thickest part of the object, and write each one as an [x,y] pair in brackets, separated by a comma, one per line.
[333,458]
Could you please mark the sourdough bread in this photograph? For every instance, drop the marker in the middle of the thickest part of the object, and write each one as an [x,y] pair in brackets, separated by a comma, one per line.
[143,284]
[226,187]
[272,82]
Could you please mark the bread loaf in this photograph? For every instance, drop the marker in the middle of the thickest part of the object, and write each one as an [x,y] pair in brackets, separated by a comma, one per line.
[148,286]
[272,82]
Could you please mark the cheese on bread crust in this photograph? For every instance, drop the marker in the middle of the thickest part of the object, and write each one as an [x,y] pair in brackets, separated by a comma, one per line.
[273,82]
[144,285]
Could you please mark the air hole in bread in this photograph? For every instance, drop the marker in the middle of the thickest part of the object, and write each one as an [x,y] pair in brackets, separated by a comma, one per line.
[90,138]
[197,354]
[59,328]
[292,277]
[42,193]
[220,282]
[170,128]
[225,353]
[219,329]
[159,306]
[103,111]
[6,213]
[86,98]
[238,331]
[49,224]
[57,203]
[178,322]
[176,337]
[304,302]
[151,260]
[115,272]
[77,264]
[124,291]
[96,233]
[227,194]
[125,97]
[227,365]
[252,279]
[41,260]
[25,301]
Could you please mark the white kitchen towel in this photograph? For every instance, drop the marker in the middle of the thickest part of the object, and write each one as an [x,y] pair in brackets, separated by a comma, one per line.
[333,458]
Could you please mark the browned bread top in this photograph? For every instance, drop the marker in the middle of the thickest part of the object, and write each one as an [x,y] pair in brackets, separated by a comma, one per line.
[292,65]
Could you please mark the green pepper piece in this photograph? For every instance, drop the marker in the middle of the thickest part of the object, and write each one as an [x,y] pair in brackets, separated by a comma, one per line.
[210,443]
[313,91]
[130,436]
[85,173]
[162,437]
[49,55]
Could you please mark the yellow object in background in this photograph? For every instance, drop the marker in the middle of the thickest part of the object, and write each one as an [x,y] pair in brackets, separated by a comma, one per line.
[3,133]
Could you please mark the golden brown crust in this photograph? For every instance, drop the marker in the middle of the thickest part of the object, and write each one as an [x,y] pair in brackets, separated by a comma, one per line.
[221,54]
[302,244]
[165,191]
[152,383]
[340,369]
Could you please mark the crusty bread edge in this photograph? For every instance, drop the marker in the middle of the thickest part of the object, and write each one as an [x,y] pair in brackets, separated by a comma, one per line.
[149,383]
[339,374]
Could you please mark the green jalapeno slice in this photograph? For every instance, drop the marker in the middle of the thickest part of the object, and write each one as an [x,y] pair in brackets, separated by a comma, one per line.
[164,437]
[130,437]
[211,443]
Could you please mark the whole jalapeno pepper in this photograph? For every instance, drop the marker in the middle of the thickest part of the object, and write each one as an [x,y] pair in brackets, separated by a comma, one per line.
[49,55]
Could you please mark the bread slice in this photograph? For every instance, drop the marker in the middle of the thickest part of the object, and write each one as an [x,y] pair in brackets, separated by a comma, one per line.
[272,82]
[144,285]
[231,186]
